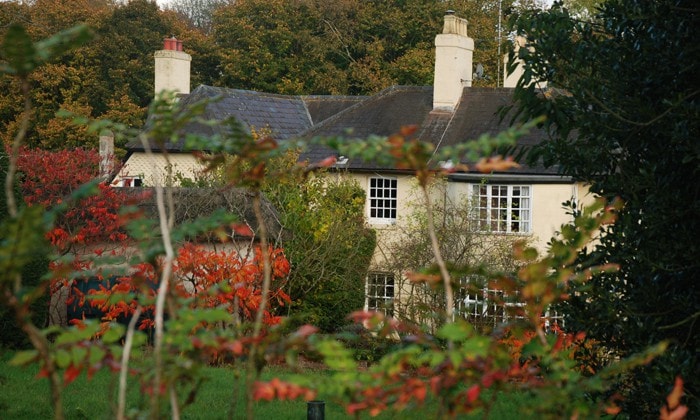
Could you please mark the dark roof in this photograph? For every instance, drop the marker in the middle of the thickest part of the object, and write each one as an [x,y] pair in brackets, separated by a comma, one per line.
[325,106]
[385,113]
[285,116]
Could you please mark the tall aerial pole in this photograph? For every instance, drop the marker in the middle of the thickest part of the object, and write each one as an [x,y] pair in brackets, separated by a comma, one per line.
[498,58]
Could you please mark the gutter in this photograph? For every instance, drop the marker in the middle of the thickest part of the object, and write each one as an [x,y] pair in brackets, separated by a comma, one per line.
[513,178]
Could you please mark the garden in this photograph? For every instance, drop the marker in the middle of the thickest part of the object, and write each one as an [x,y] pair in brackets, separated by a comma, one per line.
[187,331]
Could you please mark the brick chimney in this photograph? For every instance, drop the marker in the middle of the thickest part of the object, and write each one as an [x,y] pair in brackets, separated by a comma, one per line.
[172,67]
[453,63]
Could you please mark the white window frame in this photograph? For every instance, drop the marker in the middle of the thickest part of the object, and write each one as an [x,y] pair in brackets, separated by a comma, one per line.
[503,208]
[380,292]
[130,182]
[495,307]
[382,199]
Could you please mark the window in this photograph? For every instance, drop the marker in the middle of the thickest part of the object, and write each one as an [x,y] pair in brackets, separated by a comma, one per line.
[382,200]
[483,306]
[503,208]
[380,293]
[130,181]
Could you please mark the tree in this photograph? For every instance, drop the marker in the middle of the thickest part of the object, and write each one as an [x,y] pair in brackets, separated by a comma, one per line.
[11,333]
[344,47]
[623,114]
[327,243]
[198,13]
[462,242]
[79,80]
[49,178]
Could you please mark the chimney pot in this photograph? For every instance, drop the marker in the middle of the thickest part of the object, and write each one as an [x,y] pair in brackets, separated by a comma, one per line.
[172,44]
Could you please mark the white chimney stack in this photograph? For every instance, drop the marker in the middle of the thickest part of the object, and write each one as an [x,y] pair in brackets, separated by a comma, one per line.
[453,62]
[172,67]
[511,80]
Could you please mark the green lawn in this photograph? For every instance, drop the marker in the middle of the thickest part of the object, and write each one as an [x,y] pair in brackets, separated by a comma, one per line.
[24,397]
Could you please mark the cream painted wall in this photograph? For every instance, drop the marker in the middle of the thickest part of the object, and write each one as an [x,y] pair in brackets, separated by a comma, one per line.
[152,169]
[547,212]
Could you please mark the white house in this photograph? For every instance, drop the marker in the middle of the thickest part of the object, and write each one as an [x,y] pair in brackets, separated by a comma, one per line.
[524,202]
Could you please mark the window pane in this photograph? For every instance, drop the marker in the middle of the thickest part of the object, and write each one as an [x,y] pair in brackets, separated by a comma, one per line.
[383,198]
[503,208]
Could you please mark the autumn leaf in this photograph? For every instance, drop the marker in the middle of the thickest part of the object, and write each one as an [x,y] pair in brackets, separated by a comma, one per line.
[71,373]
[495,164]
[242,230]
[673,410]
[473,393]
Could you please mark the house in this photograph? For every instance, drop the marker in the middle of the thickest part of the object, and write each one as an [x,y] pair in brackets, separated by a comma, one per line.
[524,202]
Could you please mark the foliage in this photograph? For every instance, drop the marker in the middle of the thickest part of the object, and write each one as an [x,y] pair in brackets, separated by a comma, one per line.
[205,279]
[461,242]
[326,240]
[198,13]
[309,47]
[344,47]
[463,369]
[111,76]
[633,136]
[12,335]
[455,365]
[48,178]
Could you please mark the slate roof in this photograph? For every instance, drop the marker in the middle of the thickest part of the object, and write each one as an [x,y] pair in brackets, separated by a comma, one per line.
[386,112]
[288,116]
[284,115]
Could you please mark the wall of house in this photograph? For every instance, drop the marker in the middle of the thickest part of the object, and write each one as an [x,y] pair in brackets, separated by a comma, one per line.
[547,216]
[151,170]
[547,211]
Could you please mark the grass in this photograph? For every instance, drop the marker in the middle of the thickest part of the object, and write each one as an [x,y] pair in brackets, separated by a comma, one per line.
[25,397]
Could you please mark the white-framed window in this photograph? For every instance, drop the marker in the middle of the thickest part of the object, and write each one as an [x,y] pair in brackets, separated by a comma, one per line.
[483,305]
[382,199]
[379,292]
[130,181]
[503,208]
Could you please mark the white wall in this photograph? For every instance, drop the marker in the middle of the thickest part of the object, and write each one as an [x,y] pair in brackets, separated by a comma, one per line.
[152,169]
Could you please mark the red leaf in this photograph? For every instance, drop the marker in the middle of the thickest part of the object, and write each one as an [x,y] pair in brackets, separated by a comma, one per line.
[329,161]
[71,373]
[43,373]
[473,393]
[242,229]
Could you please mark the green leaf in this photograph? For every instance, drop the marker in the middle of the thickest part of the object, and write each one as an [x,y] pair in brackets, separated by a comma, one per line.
[455,331]
[335,356]
[96,355]
[63,358]
[18,51]
[75,335]
[114,333]
[78,355]
[24,357]
[476,347]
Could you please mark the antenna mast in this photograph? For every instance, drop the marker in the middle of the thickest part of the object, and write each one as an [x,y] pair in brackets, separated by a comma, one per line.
[498,59]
